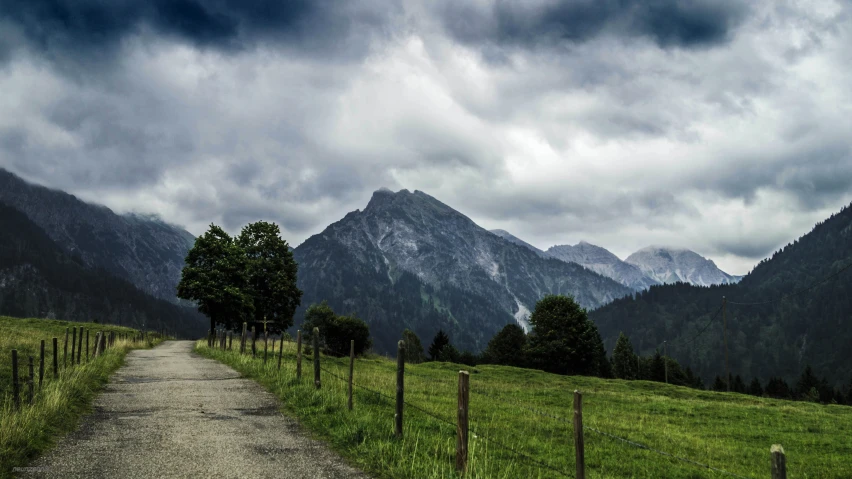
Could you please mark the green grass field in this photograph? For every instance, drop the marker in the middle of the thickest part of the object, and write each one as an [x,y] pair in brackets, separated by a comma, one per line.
[728,431]
[59,404]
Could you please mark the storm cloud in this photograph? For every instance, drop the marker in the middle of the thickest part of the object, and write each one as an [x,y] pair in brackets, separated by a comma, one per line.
[718,126]
[549,23]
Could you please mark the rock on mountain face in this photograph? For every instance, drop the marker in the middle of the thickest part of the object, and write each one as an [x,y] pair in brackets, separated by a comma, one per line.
[672,265]
[602,261]
[514,239]
[141,249]
[409,260]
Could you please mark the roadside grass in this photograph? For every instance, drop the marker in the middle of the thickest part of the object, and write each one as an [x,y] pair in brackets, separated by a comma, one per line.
[727,431]
[58,405]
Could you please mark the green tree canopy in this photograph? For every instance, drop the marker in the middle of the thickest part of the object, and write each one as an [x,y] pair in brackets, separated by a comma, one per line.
[440,342]
[215,277]
[413,347]
[507,347]
[624,365]
[563,340]
[271,274]
[336,332]
[317,316]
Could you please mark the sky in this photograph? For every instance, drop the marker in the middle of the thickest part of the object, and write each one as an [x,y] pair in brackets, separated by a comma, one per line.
[718,126]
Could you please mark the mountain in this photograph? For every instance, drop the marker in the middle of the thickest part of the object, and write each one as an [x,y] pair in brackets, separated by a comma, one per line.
[514,239]
[40,279]
[673,265]
[791,310]
[409,260]
[602,261]
[141,249]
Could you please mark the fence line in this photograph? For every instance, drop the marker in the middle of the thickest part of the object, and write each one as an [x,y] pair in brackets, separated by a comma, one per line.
[35,385]
[663,453]
[530,460]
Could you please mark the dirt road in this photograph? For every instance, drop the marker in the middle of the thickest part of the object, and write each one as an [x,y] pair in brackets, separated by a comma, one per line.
[171,413]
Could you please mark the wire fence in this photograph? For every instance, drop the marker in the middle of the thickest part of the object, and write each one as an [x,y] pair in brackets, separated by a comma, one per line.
[478,432]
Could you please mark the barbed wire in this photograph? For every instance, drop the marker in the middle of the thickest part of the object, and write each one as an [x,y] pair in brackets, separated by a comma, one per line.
[522,406]
[663,453]
[519,453]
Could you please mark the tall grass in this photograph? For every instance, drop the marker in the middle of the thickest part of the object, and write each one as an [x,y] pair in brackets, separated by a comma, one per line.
[530,411]
[58,405]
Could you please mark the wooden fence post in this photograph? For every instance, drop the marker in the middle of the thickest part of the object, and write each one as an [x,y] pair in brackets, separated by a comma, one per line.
[462,425]
[779,462]
[95,346]
[243,339]
[351,369]
[80,345]
[73,344]
[41,365]
[265,345]
[579,446]
[253,341]
[55,358]
[16,388]
[400,386]
[31,383]
[280,350]
[299,354]
[87,345]
[230,340]
[65,356]
[316,358]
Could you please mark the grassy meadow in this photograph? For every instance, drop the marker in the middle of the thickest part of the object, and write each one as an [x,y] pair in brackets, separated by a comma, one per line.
[60,402]
[530,411]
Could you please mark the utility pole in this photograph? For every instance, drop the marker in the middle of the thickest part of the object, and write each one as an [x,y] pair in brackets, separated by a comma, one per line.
[666,359]
[725,334]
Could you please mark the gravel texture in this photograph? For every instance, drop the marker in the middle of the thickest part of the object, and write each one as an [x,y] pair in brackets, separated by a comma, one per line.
[171,413]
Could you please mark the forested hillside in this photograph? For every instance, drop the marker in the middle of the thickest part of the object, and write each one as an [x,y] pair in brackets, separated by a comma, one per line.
[793,309]
[140,249]
[38,279]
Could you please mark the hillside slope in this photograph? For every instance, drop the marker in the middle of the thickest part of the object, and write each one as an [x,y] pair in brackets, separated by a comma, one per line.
[39,279]
[788,328]
[143,250]
[409,260]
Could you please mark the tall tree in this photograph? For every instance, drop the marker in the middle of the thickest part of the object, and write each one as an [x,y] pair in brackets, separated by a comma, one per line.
[271,274]
[215,278]
[755,389]
[440,342]
[507,346]
[317,316]
[563,340]
[624,364]
[413,347]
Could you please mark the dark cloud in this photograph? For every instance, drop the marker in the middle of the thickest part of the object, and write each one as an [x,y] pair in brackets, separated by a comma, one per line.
[814,176]
[93,30]
[668,23]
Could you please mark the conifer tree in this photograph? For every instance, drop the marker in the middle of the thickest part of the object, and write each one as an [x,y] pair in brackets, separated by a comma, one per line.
[624,364]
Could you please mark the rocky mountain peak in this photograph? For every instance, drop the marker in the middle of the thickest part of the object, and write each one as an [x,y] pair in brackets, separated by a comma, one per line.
[668,264]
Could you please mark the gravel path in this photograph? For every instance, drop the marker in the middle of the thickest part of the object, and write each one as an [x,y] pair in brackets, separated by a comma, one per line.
[171,413]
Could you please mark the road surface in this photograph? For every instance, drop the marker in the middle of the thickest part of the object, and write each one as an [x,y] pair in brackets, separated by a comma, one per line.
[171,413]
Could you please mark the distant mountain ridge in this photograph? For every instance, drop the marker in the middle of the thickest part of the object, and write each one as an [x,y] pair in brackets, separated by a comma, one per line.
[602,261]
[408,260]
[39,279]
[671,265]
[139,248]
[790,311]
[641,270]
